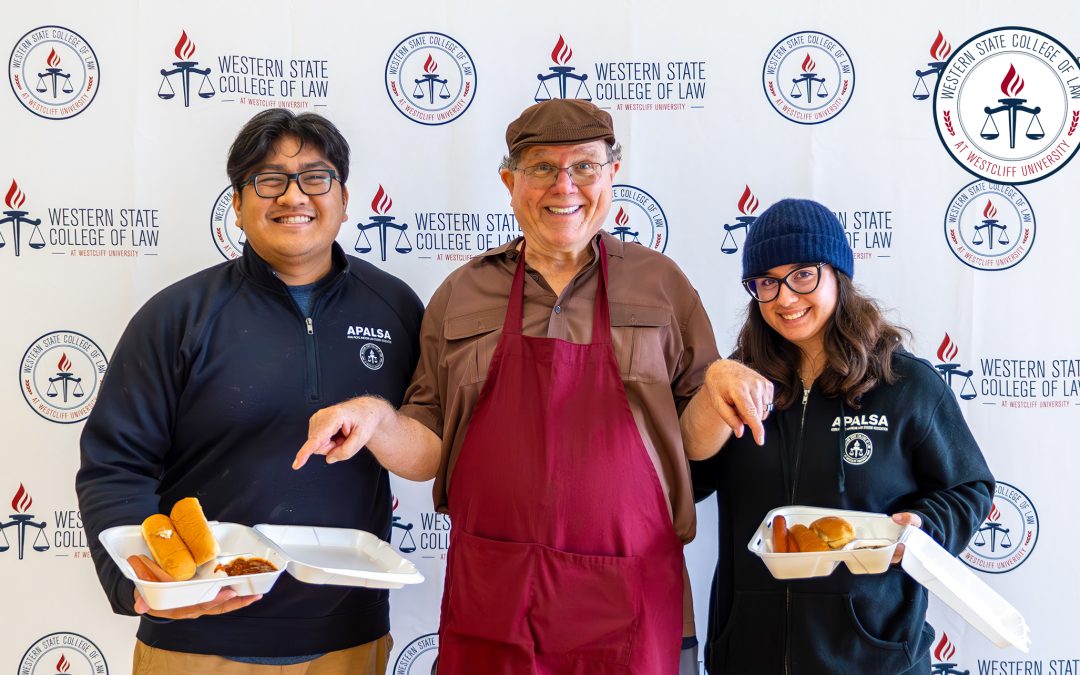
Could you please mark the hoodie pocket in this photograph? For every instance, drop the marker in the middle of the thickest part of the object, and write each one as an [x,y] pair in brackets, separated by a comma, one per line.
[827,636]
[752,639]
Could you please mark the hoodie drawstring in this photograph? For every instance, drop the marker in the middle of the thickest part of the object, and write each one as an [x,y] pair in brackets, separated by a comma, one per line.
[843,435]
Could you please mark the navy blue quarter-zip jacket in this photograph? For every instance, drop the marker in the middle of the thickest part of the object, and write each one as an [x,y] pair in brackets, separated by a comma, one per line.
[907,448]
[209,394]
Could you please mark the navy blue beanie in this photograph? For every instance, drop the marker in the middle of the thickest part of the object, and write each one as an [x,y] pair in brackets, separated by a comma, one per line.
[796,231]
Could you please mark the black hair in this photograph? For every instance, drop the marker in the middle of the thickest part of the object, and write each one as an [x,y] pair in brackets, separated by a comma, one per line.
[256,141]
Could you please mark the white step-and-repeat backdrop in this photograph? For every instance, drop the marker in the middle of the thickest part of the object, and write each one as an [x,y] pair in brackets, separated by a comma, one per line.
[940,133]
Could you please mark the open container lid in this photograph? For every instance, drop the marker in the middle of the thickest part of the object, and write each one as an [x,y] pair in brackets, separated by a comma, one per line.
[959,588]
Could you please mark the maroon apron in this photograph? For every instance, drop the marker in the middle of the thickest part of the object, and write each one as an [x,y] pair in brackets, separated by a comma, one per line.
[563,558]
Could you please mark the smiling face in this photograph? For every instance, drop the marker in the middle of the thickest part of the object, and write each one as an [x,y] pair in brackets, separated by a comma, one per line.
[294,233]
[801,319]
[563,217]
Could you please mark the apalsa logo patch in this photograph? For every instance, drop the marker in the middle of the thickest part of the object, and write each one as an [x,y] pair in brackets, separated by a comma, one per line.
[1007,105]
[54,72]
[1008,535]
[228,237]
[857,449]
[60,375]
[808,77]
[637,217]
[736,232]
[990,226]
[430,78]
[63,653]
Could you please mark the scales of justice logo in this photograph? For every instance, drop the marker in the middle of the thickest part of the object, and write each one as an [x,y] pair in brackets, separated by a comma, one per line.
[182,71]
[1008,535]
[63,654]
[60,375]
[943,653]
[407,544]
[638,218]
[748,205]
[430,78]
[63,68]
[990,226]
[16,217]
[382,224]
[808,77]
[939,55]
[1007,105]
[561,78]
[228,237]
[21,524]
[950,371]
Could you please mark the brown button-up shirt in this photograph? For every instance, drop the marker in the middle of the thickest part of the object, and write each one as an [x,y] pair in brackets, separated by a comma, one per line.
[662,338]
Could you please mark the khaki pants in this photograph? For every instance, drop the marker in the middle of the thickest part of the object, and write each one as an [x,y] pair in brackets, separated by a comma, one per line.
[366,659]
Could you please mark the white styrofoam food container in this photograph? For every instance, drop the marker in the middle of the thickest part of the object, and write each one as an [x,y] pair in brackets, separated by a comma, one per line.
[871,529]
[325,556]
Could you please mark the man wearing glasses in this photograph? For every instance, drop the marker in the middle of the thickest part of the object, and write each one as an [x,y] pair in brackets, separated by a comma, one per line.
[209,394]
[547,405]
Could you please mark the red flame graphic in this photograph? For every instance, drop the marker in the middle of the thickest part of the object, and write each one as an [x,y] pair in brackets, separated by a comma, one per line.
[562,52]
[989,211]
[63,665]
[64,364]
[947,351]
[808,64]
[185,48]
[14,197]
[53,60]
[621,219]
[945,649]
[1013,83]
[940,50]
[395,503]
[382,202]
[431,65]
[748,203]
[994,514]
[22,500]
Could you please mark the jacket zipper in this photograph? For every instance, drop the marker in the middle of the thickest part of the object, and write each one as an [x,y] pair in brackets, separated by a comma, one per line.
[312,361]
[794,490]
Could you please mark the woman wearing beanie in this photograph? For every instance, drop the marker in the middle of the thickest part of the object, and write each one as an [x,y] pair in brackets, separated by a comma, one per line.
[860,424]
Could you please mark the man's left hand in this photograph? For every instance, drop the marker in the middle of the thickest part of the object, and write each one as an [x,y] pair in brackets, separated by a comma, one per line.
[741,397]
[905,518]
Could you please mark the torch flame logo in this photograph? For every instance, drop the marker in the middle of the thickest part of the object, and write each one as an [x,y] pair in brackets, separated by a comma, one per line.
[940,50]
[994,514]
[945,649]
[22,501]
[185,48]
[64,364]
[63,665]
[430,65]
[947,351]
[808,64]
[53,60]
[1013,84]
[748,203]
[621,219]
[989,211]
[562,52]
[395,503]
[382,202]
[14,197]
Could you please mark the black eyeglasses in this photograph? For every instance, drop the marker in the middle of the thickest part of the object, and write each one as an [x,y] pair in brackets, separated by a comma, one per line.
[544,175]
[802,280]
[273,184]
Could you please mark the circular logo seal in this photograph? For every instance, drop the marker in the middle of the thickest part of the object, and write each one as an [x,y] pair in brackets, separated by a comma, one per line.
[54,72]
[431,78]
[228,238]
[990,226]
[1007,105]
[1008,535]
[63,653]
[419,657]
[60,374]
[857,449]
[371,355]
[808,77]
[636,217]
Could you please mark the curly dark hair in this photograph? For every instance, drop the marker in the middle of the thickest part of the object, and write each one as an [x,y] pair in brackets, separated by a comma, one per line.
[859,344]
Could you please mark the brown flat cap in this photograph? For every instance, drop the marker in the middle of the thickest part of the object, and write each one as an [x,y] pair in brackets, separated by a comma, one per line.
[559,121]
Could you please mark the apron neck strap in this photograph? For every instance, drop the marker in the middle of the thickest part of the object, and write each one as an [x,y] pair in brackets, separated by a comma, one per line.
[601,329]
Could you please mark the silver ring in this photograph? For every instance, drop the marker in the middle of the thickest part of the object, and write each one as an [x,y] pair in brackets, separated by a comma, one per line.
[768,407]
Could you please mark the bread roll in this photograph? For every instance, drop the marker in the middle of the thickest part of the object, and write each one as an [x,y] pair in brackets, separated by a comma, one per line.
[187,516]
[807,540]
[167,548]
[834,531]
